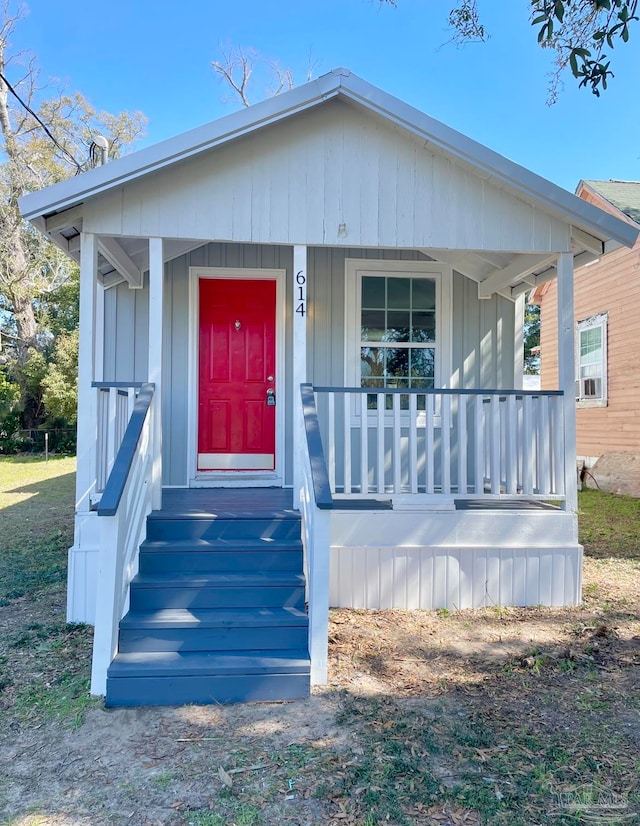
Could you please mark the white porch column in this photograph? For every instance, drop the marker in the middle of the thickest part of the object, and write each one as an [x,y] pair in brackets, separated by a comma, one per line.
[299,358]
[156,301]
[567,373]
[87,399]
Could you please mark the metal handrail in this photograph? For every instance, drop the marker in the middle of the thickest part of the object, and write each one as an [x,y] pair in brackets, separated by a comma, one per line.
[319,473]
[122,465]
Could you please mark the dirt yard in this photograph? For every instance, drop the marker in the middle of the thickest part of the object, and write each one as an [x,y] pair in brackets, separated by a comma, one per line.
[471,711]
[502,716]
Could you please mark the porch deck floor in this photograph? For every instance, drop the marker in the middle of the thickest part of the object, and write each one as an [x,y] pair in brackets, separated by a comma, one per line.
[238,503]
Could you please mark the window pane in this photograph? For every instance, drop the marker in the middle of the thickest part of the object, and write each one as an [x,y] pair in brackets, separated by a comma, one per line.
[588,370]
[373,292]
[398,324]
[590,344]
[592,388]
[424,294]
[371,362]
[423,326]
[398,293]
[373,325]
[399,313]
[422,366]
[397,364]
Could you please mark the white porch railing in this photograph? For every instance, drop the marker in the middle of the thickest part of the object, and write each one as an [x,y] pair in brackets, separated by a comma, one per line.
[115,406]
[467,443]
[315,505]
[123,509]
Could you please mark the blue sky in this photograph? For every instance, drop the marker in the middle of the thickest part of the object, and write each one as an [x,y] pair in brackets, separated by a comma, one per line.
[156,57]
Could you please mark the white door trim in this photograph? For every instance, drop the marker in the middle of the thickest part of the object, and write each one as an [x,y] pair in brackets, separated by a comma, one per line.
[224,478]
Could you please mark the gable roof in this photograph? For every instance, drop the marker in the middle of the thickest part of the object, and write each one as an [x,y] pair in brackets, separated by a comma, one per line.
[338,83]
[624,195]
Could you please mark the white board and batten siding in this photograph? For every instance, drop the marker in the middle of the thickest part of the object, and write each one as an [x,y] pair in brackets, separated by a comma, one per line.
[334,175]
[454,559]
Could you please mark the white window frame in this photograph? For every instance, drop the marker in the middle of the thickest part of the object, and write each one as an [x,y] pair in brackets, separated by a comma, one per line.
[600,320]
[355,270]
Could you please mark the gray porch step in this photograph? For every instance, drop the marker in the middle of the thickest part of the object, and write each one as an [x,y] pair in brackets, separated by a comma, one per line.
[217,611]
[189,664]
[220,555]
[217,590]
[213,630]
[168,526]
[175,678]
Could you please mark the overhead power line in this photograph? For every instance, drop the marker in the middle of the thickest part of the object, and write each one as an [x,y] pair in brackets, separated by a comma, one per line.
[42,124]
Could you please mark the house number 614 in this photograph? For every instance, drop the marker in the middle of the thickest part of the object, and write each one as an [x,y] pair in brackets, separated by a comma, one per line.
[301,293]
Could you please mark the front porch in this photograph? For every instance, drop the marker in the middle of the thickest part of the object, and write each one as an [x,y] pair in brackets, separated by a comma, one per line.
[215,611]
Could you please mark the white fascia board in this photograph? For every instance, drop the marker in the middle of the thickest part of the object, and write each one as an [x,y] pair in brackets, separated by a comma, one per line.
[338,82]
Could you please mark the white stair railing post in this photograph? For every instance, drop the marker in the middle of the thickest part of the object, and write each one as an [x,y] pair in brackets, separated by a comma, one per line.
[299,314]
[107,619]
[156,296]
[567,375]
[319,597]
[87,395]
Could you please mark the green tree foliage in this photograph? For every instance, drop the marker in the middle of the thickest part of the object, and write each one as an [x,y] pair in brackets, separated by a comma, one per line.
[46,134]
[60,385]
[580,32]
[531,338]
[9,411]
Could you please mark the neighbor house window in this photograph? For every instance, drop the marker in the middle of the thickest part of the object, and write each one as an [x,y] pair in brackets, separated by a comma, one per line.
[592,360]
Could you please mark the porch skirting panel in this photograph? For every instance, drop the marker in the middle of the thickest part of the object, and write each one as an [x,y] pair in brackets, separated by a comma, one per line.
[408,574]
[82,572]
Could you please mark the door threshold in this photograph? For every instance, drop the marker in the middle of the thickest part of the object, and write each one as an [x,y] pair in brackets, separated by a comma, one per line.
[236,479]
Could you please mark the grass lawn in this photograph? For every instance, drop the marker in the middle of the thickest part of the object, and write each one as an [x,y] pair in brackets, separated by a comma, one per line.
[43,660]
[504,717]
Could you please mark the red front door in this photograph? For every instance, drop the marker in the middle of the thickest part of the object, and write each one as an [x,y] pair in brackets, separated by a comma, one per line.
[237,361]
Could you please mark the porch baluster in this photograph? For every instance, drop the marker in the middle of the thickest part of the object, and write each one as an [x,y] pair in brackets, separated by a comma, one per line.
[445,439]
[544,446]
[413,444]
[494,461]
[462,444]
[557,428]
[364,445]
[430,456]
[528,446]
[380,437]
[346,459]
[397,445]
[512,446]
[331,463]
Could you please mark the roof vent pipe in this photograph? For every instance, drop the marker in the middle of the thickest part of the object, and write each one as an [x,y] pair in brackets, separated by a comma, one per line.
[99,150]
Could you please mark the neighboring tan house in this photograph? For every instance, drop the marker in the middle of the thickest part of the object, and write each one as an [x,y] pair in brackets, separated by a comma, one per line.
[300,386]
[607,318]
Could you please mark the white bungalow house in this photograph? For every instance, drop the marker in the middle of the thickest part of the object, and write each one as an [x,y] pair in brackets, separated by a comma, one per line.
[300,386]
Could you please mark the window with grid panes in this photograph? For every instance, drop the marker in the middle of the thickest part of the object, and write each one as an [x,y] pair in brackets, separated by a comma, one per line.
[397,332]
[591,357]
